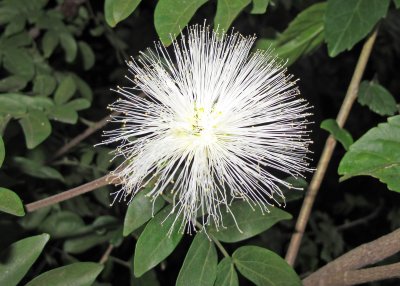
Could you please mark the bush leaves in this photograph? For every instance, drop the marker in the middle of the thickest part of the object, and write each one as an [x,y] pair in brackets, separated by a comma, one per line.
[227,11]
[170,16]
[349,21]
[377,98]
[376,154]
[264,267]
[155,244]
[251,222]
[226,273]
[11,203]
[19,257]
[200,265]
[77,274]
[340,134]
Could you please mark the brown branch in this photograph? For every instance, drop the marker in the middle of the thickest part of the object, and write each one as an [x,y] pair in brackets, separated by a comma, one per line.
[66,195]
[89,131]
[106,254]
[330,144]
[363,255]
[354,277]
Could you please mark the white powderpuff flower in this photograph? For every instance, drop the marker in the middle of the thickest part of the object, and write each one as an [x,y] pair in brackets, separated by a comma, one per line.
[217,123]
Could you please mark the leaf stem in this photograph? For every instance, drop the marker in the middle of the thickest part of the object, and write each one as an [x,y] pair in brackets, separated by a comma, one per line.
[216,241]
[326,156]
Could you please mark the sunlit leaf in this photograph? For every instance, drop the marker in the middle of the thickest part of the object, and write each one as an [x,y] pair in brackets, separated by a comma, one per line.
[376,154]
[250,221]
[36,128]
[170,16]
[377,98]
[226,273]
[340,134]
[77,274]
[200,265]
[155,243]
[11,203]
[349,21]
[227,11]
[19,257]
[264,267]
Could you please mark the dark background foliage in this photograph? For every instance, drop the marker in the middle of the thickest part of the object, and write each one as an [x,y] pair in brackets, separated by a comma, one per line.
[345,214]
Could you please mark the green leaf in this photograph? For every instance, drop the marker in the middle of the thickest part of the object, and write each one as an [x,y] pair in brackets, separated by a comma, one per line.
[49,43]
[156,243]
[32,220]
[227,11]
[200,265]
[36,128]
[264,267]
[62,224]
[377,98]
[349,21]
[44,85]
[11,203]
[19,257]
[69,45]
[83,88]
[296,192]
[16,25]
[340,134]
[259,6]
[77,274]
[65,90]
[226,273]
[2,151]
[170,16]
[303,35]
[376,154]
[12,105]
[87,53]
[250,221]
[12,83]
[117,10]
[64,114]
[78,104]
[35,169]
[140,210]
[397,3]
[19,62]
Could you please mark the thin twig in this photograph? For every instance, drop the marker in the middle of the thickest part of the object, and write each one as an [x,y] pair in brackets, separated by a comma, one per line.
[106,254]
[66,195]
[361,256]
[76,140]
[330,144]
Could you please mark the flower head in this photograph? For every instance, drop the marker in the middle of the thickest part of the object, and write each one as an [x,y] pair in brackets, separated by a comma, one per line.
[217,123]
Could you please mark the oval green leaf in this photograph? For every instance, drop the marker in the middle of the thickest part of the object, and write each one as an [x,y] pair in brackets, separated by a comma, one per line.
[69,45]
[376,154]
[140,210]
[11,203]
[200,265]
[348,22]
[156,242]
[88,56]
[44,85]
[226,273]
[264,267]
[377,98]
[19,257]
[77,274]
[19,62]
[65,90]
[251,222]
[227,11]
[259,6]
[62,224]
[117,10]
[36,128]
[340,134]
[170,16]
